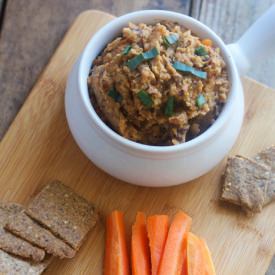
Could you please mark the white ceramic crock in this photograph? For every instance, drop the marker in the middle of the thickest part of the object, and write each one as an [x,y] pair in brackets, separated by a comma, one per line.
[155,165]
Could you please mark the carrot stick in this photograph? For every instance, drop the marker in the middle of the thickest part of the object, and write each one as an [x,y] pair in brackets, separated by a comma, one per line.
[184,258]
[157,227]
[173,255]
[140,247]
[209,266]
[116,257]
[195,257]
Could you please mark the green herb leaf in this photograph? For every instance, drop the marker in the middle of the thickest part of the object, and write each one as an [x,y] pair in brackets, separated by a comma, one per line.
[200,100]
[126,50]
[171,38]
[150,54]
[169,108]
[201,51]
[135,61]
[115,95]
[188,69]
[165,42]
[145,98]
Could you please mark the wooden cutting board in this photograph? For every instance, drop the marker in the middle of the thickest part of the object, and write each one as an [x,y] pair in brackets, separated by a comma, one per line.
[38,148]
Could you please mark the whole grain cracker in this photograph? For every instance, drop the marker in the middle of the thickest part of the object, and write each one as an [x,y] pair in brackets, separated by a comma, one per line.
[11,265]
[65,213]
[23,226]
[267,157]
[245,183]
[12,244]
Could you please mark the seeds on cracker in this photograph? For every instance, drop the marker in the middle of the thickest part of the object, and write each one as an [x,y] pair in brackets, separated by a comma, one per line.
[267,157]
[13,244]
[11,265]
[245,183]
[23,226]
[65,213]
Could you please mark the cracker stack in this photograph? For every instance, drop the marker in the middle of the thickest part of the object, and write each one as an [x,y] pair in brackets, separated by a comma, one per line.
[55,223]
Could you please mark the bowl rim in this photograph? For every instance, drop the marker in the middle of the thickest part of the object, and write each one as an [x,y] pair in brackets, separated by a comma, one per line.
[154,149]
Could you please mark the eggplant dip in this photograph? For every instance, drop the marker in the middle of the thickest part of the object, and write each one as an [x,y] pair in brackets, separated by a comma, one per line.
[159,84]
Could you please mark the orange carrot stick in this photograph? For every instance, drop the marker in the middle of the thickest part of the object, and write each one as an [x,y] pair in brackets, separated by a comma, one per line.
[209,266]
[173,255]
[140,247]
[195,257]
[157,227]
[184,258]
[116,257]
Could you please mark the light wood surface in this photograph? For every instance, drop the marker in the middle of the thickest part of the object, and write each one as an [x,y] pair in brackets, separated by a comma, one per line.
[38,148]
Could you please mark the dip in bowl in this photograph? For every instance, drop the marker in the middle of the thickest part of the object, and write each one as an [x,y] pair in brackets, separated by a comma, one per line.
[159,84]
[136,152]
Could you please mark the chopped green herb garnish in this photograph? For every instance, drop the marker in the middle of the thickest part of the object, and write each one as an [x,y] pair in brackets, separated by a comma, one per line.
[127,49]
[135,61]
[200,100]
[165,42]
[150,54]
[188,69]
[115,95]
[145,98]
[169,108]
[201,51]
[171,38]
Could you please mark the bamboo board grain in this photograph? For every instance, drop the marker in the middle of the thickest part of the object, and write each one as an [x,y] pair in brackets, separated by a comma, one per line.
[38,147]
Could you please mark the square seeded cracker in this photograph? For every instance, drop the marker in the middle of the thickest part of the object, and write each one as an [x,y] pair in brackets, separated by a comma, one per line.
[267,157]
[245,183]
[12,244]
[65,213]
[26,228]
[11,265]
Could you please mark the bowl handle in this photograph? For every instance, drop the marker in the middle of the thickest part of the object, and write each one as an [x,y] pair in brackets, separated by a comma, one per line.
[256,43]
